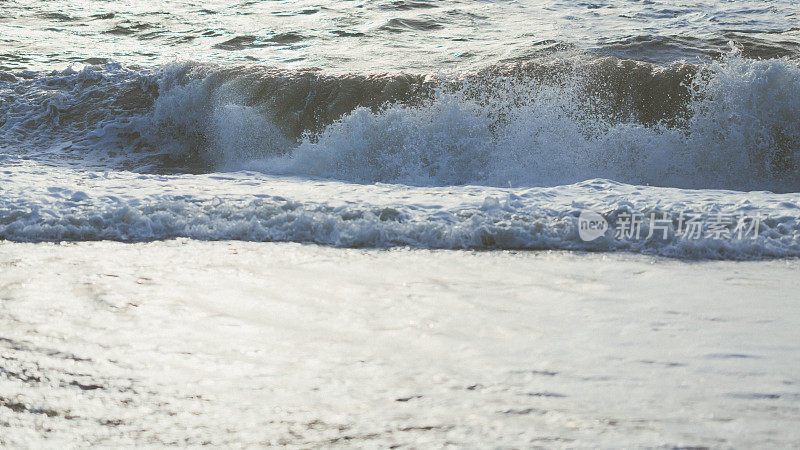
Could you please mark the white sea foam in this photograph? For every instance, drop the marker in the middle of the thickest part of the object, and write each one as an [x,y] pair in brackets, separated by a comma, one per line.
[743,133]
[738,130]
[51,204]
[550,148]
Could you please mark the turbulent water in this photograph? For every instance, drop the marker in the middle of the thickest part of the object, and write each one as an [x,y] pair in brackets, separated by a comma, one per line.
[454,124]
[221,223]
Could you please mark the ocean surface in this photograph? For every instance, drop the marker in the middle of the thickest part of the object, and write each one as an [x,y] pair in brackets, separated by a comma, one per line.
[456,124]
[400,223]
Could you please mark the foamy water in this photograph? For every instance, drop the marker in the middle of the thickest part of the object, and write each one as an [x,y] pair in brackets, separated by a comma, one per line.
[615,126]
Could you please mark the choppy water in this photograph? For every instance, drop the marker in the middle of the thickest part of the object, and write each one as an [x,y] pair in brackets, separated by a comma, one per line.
[387,36]
[136,122]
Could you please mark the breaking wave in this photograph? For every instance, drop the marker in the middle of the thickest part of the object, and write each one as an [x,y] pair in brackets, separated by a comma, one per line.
[52,204]
[732,124]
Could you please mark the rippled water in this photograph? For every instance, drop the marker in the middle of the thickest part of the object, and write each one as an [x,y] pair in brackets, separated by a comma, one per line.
[378,36]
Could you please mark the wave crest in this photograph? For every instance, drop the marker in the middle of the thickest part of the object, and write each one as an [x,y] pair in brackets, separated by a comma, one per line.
[734,123]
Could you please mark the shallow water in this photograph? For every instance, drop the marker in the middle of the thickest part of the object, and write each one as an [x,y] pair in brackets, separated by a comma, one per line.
[233,343]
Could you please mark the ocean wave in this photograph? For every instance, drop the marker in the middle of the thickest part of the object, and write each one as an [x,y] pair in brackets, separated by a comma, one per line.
[732,124]
[46,204]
